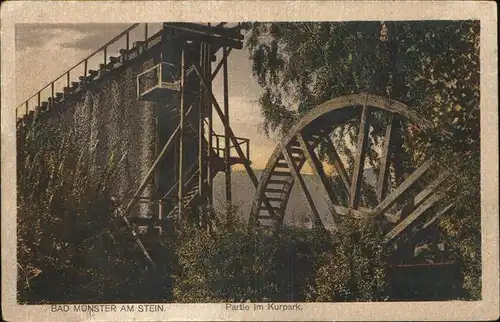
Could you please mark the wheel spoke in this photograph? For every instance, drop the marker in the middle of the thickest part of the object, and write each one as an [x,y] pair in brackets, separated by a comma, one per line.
[405,223]
[386,155]
[320,175]
[337,163]
[298,178]
[357,173]
[402,188]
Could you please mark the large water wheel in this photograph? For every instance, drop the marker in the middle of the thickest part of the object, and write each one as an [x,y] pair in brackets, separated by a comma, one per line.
[404,192]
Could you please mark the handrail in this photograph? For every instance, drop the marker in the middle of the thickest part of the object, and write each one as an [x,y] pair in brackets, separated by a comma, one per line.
[86,58]
[84,61]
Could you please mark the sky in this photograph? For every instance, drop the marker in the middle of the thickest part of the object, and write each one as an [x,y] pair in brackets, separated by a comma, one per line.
[46,51]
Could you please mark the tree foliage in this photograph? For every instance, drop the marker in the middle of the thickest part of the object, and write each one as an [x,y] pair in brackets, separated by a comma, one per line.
[431,66]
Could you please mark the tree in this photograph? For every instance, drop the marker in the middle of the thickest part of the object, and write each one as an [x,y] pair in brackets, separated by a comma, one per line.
[431,66]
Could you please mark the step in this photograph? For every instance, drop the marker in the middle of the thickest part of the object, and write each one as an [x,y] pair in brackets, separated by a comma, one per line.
[281,165]
[295,149]
[272,190]
[264,208]
[137,43]
[280,174]
[113,59]
[277,181]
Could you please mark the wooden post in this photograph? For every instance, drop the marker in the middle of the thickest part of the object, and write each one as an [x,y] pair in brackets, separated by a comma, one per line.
[38,99]
[27,106]
[240,153]
[201,133]
[181,135]
[207,74]
[68,81]
[105,55]
[146,36]
[52,95]
[227,142]
[127,37]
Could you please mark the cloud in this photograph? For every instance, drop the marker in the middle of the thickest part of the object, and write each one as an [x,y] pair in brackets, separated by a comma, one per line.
[87,35]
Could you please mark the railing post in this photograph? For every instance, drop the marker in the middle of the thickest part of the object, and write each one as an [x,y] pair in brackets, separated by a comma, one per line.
[52,95]
[105,56]
[146,36]
[85,70]
[67,78]
[27,107]
[128,45]
[38,97]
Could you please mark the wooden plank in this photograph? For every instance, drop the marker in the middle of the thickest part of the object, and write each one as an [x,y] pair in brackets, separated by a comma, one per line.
[436,216]
[384,162]
[230,132]
[422,195]
[337,163]
[405,223]
[403,187]
[320,175]
[359,161]
[296,175]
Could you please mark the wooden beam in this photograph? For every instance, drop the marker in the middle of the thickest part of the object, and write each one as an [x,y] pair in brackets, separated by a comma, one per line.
[148,176]
[436,216]
[386,156]
[297,177]
[430,189]
[180,189]
[222,62]
[230,132]
[359,161]
[136,237]
[227,151]
[428,203]
[403,187]
[320,175]
[337,163]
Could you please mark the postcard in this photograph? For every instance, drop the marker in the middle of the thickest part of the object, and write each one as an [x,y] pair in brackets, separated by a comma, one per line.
[249,160]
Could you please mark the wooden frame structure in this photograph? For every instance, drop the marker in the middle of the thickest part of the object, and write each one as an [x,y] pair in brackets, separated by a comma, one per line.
[400,205]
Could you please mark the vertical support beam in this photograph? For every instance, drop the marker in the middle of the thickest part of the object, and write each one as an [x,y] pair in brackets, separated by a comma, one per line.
[207,76]
[201,132]
[226,134]
[67,79]
[320,175]
[359,162]
[145,36]
[298,178]
[181,134]
[386,156]
[238,149]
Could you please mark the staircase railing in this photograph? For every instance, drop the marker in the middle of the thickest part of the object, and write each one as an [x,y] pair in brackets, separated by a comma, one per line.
[48,92]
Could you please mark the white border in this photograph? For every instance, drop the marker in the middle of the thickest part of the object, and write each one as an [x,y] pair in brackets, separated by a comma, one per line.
[156,11]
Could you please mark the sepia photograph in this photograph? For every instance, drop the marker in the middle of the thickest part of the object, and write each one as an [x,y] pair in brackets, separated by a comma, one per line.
[260,164]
